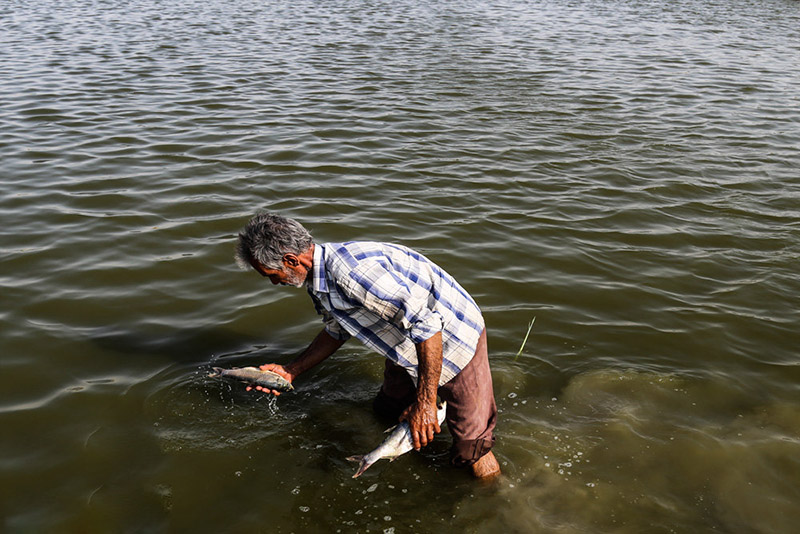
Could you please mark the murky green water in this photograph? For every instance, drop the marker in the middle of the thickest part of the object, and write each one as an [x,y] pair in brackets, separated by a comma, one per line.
[624,171]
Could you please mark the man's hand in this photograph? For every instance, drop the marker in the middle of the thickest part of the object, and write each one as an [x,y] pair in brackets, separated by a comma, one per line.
[323,346]
[277,369]
[422,422]
[421,415]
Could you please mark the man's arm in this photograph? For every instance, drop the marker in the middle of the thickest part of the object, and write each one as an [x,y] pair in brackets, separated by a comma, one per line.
[323,346]
[421,415]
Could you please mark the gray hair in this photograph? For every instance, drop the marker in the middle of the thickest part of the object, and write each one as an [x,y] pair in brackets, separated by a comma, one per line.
[268,237]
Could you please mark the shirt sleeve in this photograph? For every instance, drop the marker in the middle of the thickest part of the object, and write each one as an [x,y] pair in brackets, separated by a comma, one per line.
[395,299]
[332,326]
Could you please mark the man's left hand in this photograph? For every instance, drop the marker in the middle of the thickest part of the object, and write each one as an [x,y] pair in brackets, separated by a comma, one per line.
[422,421]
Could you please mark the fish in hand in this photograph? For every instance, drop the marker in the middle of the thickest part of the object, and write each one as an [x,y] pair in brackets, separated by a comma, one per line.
[254,377]
[397,443]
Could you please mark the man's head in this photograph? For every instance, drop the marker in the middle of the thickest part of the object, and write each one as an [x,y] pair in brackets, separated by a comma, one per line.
[276,247]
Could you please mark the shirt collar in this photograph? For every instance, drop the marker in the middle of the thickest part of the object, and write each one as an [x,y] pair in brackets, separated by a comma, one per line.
[320,282]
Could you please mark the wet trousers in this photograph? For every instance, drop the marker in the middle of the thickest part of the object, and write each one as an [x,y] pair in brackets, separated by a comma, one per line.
[471,409]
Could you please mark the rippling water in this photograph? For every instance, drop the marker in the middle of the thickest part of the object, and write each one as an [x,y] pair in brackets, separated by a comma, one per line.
[624,171]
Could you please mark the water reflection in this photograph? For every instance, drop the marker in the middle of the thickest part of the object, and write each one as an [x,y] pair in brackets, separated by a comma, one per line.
[625,171]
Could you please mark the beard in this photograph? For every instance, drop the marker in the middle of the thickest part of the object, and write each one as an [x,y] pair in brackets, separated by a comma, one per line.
[294,279]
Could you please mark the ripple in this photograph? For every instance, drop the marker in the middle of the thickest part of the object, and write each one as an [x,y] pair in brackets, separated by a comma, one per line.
[628,176]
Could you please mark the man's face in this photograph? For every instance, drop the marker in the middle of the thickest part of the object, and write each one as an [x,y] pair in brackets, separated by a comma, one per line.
[288,276]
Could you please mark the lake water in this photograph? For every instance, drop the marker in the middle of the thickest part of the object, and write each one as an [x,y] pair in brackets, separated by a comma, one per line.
[625,171]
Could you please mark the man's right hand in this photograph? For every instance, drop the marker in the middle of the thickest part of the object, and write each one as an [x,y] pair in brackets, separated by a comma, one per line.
[277,369]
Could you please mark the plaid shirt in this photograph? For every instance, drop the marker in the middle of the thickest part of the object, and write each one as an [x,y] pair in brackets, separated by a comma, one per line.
[391,298]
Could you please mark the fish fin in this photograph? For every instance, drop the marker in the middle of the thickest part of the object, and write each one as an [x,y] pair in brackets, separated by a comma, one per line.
[389,429]
[356,458]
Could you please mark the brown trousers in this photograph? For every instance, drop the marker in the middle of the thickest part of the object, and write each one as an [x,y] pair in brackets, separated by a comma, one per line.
[471,409]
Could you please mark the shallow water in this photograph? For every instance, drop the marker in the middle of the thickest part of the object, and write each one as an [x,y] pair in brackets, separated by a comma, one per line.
[624,171]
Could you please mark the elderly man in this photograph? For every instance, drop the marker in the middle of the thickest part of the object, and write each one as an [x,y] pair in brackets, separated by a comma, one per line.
[403,306]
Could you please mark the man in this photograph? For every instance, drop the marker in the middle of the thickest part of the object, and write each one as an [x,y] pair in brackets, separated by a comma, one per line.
[404,307]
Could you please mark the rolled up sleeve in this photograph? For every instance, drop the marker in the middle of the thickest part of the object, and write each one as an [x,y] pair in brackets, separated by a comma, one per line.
[335,330]
[332,326]
[426,325]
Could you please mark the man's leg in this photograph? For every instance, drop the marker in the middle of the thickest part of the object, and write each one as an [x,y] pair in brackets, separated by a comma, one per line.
[486,466]
[396,394]
[472,414]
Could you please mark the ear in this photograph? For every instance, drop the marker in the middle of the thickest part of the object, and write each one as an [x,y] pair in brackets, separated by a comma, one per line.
[290,260]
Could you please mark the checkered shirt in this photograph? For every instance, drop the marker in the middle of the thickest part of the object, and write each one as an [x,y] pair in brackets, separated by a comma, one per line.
[391,298]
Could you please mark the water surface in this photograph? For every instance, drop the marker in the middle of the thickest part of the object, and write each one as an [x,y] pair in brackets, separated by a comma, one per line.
[624,171]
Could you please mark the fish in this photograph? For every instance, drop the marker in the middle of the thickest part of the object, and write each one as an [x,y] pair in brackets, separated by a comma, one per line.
[397,443]
[254,377]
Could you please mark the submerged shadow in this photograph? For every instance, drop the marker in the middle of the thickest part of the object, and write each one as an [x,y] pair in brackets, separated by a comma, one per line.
[195,346]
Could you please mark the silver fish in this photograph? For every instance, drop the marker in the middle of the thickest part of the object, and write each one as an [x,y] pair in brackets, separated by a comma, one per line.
[254,376]
[397,443]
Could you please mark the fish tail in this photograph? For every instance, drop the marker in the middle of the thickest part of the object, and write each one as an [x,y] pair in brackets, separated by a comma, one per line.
[215,372]
[364,463]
